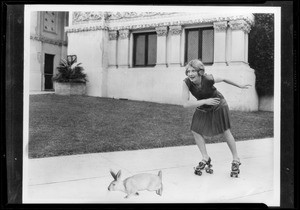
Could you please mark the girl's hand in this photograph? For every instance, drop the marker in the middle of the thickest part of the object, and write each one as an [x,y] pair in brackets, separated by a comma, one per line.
[245,86]
[212,101]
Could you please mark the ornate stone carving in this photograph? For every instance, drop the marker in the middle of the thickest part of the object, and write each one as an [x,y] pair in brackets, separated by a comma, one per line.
[220,26]
[84,17]
[50,21]
[113,35]
[142,20]
[49,41]
[175,30]
[126,15]
[124,34]
[120,15]
[162,31]
[179,19]
[240,25]
[85,28]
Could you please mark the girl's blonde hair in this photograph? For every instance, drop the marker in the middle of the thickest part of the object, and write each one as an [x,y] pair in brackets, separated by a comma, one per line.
[196,64]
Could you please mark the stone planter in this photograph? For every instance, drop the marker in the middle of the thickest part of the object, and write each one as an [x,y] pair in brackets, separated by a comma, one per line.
[70,88]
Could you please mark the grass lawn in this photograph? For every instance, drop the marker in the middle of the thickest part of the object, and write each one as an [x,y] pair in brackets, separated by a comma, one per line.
[67,125]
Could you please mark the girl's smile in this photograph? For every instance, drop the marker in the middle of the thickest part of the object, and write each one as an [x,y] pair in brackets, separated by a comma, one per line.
[194,76]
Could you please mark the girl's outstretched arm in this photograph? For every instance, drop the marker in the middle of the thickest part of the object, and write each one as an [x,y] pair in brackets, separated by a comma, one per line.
[229,81]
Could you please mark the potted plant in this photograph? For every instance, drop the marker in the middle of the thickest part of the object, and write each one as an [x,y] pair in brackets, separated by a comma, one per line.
[70,79]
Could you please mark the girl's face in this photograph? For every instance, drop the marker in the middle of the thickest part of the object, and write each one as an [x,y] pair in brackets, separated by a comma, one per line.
[193,74]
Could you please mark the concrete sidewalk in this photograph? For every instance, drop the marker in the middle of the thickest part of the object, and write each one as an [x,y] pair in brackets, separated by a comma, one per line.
[85,178]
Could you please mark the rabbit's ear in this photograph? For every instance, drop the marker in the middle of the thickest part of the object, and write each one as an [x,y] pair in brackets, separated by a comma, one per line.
[118,175]
[113,175]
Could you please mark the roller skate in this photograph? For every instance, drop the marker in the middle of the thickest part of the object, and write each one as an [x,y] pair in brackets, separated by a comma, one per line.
[204,165]
[235,170]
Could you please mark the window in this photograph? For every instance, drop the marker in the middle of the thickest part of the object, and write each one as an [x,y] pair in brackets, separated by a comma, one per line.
[199,43]
[144,49]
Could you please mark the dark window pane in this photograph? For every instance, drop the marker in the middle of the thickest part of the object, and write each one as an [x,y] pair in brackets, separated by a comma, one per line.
[48,82]
[200,39]
[49,59]
[140,50]
[48,71]
[208,46]
[145,49]
[192,45]
[152,49]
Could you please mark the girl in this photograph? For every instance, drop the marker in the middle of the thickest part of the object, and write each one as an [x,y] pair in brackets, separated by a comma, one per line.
[211,116]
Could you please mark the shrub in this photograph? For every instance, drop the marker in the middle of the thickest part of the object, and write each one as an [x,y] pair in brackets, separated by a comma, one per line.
[69,72]
[261,53]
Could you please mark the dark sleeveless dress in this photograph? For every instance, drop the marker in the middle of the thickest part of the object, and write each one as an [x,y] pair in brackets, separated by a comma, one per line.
[209,120]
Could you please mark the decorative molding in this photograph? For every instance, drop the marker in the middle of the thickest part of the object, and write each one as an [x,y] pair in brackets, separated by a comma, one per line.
[240,25]
[50,21]
[220,26]
[48,40]
[175,30]
[113,35]
[85,17]
[175,19]
[162,31]
[91,21]
[124,34]
[129,15]
[85,28]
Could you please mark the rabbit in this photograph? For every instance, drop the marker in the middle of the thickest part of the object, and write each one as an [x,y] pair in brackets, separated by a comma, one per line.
[135,183]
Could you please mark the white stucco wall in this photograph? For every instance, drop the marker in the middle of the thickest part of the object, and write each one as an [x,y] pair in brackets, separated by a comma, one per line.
[146,84]
[37,62]
[89,48]
[164,85]
[35,76]
[64,52]
[237,99]
[34,20]
[266,103]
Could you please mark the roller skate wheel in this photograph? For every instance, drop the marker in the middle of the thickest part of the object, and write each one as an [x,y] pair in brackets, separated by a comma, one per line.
[199,173]
[210,171]
[234,175]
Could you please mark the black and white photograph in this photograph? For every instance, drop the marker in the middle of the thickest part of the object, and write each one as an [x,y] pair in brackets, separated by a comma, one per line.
[151,104]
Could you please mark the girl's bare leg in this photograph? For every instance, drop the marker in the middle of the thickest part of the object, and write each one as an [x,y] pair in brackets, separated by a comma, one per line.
[201,145]
[231,144]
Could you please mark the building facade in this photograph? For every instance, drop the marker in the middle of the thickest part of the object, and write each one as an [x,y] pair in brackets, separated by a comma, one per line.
[141,55]
[48,44]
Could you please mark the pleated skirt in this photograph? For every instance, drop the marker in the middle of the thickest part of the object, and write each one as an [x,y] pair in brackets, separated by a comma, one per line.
[212,122]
